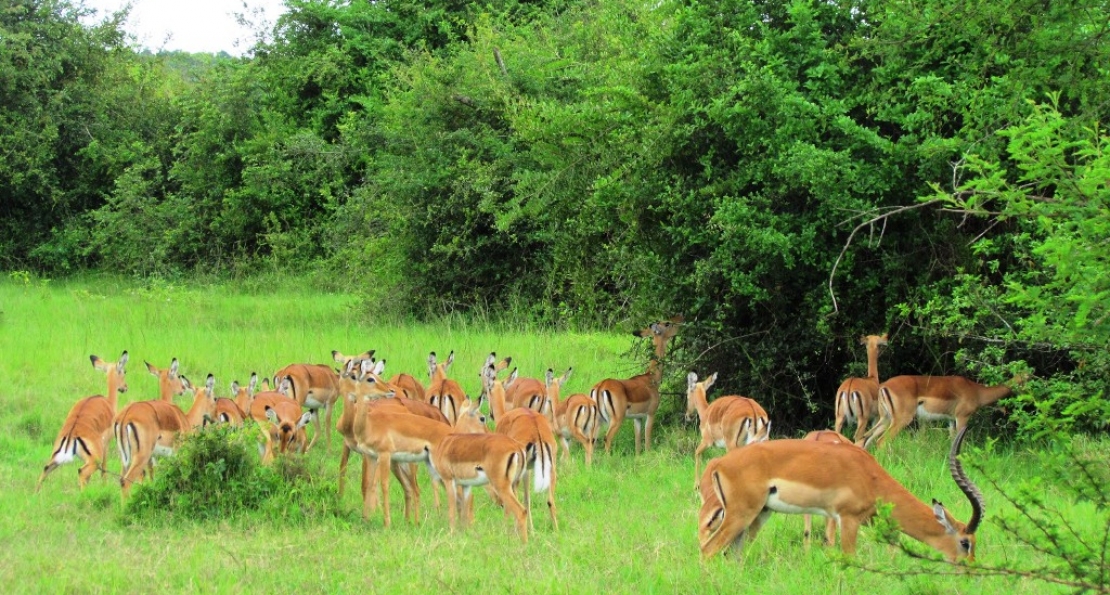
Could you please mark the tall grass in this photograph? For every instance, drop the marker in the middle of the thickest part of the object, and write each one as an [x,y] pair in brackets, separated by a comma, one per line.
[628,524]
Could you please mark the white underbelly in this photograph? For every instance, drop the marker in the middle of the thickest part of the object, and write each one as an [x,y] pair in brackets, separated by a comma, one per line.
[478,480]
[776,504]
[409,457]
[922,413]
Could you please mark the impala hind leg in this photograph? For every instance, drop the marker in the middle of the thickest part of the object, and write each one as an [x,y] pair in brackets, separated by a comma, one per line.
[637,428]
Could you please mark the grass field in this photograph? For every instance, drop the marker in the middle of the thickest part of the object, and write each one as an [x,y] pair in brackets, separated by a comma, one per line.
[627,524]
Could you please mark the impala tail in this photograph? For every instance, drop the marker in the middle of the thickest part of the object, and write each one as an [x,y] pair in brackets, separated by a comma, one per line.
[541,476]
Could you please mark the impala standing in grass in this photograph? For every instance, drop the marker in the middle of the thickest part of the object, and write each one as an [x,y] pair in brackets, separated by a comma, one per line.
[638,397]
[146,429]
[857,398]
[576,417]
[952,398]
[729,422]
[88,426]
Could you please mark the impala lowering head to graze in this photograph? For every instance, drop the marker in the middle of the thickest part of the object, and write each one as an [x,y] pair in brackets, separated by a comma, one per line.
[148,429]
[282,421]
[576,417]
[953,398]
[315,387]
[170,384]
[729,422]
[740,490]
[857,398]
[88,426]
[638,397]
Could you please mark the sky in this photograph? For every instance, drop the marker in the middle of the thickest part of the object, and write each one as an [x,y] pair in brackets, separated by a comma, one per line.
[190,25]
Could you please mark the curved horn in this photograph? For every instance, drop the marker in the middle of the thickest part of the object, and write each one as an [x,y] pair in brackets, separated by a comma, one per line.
[966,486]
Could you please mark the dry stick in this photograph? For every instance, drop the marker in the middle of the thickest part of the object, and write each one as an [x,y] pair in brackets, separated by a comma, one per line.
[883,217]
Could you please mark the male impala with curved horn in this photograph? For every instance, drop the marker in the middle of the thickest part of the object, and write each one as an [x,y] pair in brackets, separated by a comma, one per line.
[145,429]
[856,399]
[169,380]
[88,426]
[638,397]
[741,489]
[954,398]
[729,422]
[531,429]
[577,417]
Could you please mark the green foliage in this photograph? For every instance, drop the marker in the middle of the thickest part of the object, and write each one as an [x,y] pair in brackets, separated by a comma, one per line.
[215,474]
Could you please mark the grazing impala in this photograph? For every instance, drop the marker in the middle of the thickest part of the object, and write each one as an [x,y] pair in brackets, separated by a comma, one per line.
[531,429]
[315,387]
[832,437]
[729,422]
[283,423]
[146,429]
[638,397]
[169,380]
[577,417]
[857,398]
[954,398]
[88,426]
[463,461]
[741,489]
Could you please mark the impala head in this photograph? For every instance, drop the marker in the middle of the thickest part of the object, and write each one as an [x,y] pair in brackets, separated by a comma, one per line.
[115,371]
[662,331]
[962,536]
[438,370]
[371,385]
[169,380]
[697,391]
[244,394]
[471,420]
[346,359]
[288,435]
[876,340]
[203,410]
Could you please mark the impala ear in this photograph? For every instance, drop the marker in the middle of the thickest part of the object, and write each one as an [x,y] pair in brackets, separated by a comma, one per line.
[234,387]
[210,384]
[303,421]
[379,367]
[566,376]
[550,377]
[150,368]
[709,381]
[253,382]
[943,518]
[490,360]
[512,378]
[691,381]
[337,356]
[450,359]
[122,362]
[185,382]
[174,365]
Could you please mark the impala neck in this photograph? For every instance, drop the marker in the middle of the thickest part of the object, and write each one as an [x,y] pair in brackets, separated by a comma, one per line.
[991,394]
[497,400]
[115,387]
[916,519]
[198,411]
[699,400]
[872,360]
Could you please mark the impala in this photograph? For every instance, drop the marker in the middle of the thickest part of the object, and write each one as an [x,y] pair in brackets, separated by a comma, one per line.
[638,397]
[954,398]
[88,426]
[576,417]
[526,392]
[832,437]
[283,423]
[856,399]
[169,381]
[729,422]
[443,393]
[364,383]
[387,438]
[242,400]
[315,387]
[531,429]
[463,461]
[741,489]
[146,429]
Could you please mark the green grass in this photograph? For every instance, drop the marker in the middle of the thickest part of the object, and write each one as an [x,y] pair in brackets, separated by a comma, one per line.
[626,525]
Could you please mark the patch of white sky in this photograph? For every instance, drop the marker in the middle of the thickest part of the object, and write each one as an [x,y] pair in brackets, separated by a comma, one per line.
[209,26]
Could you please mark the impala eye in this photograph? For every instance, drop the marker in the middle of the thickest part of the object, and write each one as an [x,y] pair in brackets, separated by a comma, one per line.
[965,545]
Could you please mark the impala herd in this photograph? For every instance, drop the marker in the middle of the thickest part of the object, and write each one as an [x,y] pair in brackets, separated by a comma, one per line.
[396,425]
